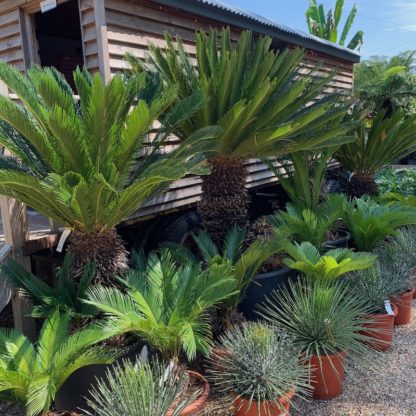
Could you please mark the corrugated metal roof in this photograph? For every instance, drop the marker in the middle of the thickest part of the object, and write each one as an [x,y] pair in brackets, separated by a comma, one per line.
[269,27]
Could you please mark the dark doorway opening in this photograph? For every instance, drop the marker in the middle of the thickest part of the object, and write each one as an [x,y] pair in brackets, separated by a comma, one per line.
[58,33]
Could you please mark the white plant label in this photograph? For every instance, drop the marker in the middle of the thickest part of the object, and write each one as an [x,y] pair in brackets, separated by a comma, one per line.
[62,240]
[47,5]
[387,306]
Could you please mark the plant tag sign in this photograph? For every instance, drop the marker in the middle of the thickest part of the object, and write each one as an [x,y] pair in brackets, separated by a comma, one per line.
[62,240]
[387,306]
[47,5]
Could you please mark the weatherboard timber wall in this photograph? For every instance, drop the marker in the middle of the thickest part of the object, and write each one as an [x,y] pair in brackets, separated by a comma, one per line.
[110,28]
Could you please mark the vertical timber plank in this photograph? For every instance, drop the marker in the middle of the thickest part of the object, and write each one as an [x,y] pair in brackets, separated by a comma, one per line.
[102,39]
[16,231]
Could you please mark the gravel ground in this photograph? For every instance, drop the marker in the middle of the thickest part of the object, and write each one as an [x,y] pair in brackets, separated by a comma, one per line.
[389,392]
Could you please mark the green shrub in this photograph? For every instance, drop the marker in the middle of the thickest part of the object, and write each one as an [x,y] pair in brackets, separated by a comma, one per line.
[401,181]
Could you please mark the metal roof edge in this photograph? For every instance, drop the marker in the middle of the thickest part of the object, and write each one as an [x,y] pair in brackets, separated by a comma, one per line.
[240,18]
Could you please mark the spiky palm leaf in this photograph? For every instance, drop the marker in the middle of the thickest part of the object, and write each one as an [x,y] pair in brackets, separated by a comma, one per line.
[88,162]
[387,140]
[166,304]
[66,296]
[265,109]
[370,222]
[328,267]
[327,27]
[33,373]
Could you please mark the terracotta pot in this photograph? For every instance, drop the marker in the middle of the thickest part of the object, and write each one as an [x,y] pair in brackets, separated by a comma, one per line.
[199,403]
[327,375]
[381,330]
[404,306]
[243,407]
[414,293]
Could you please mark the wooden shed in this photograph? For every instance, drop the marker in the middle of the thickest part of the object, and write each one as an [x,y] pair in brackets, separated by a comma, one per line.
[98,33]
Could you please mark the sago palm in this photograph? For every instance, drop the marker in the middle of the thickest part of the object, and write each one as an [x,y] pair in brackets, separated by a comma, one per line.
[326,27]
[387,140]
[166,304]
[307,259]
[33,373]
[370,222]
[265,109]
[87,161]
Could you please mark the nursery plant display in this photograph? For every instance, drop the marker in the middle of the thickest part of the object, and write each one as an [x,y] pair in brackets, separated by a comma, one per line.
[77,159]
[313,225]
[33,373]
[388,139]
[67,296]
[141,388]
[253,93]
[370,222]
[260,368]
[165,304]
[327,267]
[326,321]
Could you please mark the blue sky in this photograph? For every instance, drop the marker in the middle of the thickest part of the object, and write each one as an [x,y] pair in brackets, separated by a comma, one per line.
[389,25]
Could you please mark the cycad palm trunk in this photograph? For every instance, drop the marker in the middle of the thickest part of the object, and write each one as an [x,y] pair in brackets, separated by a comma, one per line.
[224,200]
[362,184]
[104,248]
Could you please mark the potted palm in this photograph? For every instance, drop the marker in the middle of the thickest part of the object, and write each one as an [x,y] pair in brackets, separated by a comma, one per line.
[316,226]
[245,259]
[326,321]
[77,153]
[261,369]
[157,392]
[167,306]
[370,222]
[32,374]
[376,286]
[388,139]
[254,93]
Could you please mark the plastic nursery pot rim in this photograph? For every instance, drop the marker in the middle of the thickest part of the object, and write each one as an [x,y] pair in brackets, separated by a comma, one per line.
[243,407]
[198,404]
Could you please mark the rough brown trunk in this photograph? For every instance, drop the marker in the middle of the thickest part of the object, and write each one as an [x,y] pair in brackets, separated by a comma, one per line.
[104,248]
[225,199]
[360,185]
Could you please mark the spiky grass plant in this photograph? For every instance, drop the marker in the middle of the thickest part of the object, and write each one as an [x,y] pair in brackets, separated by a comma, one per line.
[88,162]
[376,284]
[309,225]
[253,92]
[327,267]
[32,374]
[370,222]
[323,317]
[258,362]
[166,304]
[67,296]
[145,389]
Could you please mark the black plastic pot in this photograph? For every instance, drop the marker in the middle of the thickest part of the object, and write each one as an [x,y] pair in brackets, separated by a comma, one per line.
[72,395]
[262,286]
[341,242]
